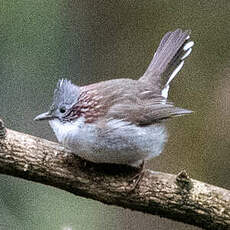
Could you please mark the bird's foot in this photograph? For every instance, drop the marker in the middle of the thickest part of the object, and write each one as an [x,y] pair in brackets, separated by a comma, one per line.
[135,180]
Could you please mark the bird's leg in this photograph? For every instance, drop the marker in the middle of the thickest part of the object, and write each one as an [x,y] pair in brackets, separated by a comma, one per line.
[139,175]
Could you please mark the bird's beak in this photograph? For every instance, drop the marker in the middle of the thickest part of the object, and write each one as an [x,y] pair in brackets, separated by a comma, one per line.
[44,116]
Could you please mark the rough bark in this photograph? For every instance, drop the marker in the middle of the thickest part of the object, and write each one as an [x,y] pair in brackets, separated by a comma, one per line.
[176,197]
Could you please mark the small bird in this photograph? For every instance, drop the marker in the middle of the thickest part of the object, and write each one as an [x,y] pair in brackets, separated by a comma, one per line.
[121,121]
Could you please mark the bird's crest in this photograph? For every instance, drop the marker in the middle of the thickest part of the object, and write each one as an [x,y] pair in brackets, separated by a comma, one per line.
[65,93]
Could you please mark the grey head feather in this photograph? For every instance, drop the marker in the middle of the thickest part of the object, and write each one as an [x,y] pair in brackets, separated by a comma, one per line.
[66,94]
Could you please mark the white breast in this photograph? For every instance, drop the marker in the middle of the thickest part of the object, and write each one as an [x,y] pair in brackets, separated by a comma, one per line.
[65,131]
[119,142]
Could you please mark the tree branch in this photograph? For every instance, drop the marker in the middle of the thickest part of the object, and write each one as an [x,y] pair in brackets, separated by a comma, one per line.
[176,197]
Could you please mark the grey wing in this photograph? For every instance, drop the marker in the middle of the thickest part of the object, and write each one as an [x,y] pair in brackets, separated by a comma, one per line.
[145,113]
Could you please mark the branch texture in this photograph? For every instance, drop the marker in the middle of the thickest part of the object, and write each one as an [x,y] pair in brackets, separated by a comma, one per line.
[176,197]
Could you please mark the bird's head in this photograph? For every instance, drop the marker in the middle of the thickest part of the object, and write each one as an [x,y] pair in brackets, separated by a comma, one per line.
[66,95]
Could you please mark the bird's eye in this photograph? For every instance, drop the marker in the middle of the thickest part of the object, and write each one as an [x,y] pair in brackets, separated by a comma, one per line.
[62,109]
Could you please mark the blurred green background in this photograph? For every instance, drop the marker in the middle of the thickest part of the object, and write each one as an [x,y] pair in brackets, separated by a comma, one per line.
[88,41]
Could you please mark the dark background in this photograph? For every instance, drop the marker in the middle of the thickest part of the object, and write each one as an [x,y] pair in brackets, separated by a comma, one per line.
[88,41]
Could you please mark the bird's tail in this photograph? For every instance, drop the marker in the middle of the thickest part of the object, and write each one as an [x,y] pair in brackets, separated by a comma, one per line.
[168,60]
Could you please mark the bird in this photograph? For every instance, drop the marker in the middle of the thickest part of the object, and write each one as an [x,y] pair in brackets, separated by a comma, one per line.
[121,121]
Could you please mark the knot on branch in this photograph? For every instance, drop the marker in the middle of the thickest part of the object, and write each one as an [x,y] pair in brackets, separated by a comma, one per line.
[183,181]
[2,129]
